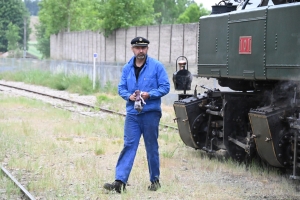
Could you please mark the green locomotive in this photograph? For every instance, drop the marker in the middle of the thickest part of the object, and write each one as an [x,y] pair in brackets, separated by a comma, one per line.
[256,53]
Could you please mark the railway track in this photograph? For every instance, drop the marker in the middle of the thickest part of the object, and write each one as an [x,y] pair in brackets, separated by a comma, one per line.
[24,191]
[71,103]
[85,105]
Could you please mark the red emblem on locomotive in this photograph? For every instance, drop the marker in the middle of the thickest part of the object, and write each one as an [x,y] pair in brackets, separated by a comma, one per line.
[245,44]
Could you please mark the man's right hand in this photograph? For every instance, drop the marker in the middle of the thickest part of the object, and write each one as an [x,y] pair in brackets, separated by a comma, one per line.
[132,97]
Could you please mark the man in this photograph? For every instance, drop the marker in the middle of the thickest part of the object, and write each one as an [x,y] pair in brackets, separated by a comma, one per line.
[146,77]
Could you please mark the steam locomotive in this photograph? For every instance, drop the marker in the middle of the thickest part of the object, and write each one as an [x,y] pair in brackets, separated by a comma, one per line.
[256,53]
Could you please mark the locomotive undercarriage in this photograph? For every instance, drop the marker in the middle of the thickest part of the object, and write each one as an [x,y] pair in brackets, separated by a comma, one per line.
[263,122]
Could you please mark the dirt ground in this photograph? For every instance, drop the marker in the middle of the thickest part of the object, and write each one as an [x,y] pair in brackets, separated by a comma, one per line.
[185,172]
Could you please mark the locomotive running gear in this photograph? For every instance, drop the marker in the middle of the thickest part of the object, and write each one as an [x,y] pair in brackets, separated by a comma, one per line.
[153,79]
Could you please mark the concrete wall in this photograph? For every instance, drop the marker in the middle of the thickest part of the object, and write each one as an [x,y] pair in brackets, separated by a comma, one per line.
[167,42]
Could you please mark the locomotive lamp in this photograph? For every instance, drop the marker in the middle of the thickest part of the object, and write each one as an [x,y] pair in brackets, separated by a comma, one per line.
[182,78]
[182,64]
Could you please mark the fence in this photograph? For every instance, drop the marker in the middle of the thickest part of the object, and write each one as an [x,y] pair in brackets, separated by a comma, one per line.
[167,42]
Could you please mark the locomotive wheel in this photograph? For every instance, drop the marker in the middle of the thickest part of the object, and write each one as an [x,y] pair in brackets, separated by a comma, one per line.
[199,129]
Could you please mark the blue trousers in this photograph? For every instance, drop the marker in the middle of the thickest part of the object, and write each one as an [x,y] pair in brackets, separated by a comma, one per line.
[145,124]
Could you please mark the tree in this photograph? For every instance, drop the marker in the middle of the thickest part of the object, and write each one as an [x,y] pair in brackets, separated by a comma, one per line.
[75,15]
[192,14]
[12,36]
[32,6]
[69,15]
[43,44]
[167,11]
[64,15]
[2,32]
[116,14]
[13,11]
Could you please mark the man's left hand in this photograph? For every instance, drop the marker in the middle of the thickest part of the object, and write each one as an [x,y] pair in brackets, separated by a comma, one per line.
[145,95]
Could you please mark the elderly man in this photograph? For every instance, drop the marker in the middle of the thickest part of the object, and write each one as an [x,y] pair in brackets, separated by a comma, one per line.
[143,82]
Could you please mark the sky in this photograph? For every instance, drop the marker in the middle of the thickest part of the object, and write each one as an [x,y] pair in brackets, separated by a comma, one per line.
[207,3]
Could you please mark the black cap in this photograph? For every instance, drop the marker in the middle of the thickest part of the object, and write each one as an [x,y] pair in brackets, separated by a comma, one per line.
[139,41]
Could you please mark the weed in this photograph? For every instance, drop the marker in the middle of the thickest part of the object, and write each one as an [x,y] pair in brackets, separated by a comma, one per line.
[99,150]
[110,88]
[166,153]
[101,98]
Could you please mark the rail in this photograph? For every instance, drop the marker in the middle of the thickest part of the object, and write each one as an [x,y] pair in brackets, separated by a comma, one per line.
[79,103]
[22,188]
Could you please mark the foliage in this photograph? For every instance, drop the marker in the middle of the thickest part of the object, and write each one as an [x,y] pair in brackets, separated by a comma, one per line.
[64,15]
[12,36]
[13,11]
[167,11]
[68,15]
[109,15]
[76,84]
[76,15]
[54,15]
[2,34]
[116,14]
[43,41]
[32,6]
[192,14]
[32,49]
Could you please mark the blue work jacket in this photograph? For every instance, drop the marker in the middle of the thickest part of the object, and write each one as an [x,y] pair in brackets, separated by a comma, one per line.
[153,79]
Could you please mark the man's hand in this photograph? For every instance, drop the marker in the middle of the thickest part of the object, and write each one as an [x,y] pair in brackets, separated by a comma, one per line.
[145,95]
[132,97]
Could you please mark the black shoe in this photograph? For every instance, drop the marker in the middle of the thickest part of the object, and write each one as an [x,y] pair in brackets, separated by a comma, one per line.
[117,186]
[155,185]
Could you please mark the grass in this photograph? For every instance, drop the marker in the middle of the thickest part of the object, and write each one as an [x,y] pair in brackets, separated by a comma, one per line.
[67,156]
[29,149]
[75,84]
[106,95]
[33,50]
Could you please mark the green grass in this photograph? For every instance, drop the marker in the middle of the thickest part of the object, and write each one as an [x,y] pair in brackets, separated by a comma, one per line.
[33,50]
[69,156]
[75,84]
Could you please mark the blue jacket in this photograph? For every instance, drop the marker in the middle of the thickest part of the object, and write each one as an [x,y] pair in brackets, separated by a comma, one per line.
[153,79]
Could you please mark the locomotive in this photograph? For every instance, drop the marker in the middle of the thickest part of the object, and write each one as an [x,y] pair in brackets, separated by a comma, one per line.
[255,52]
